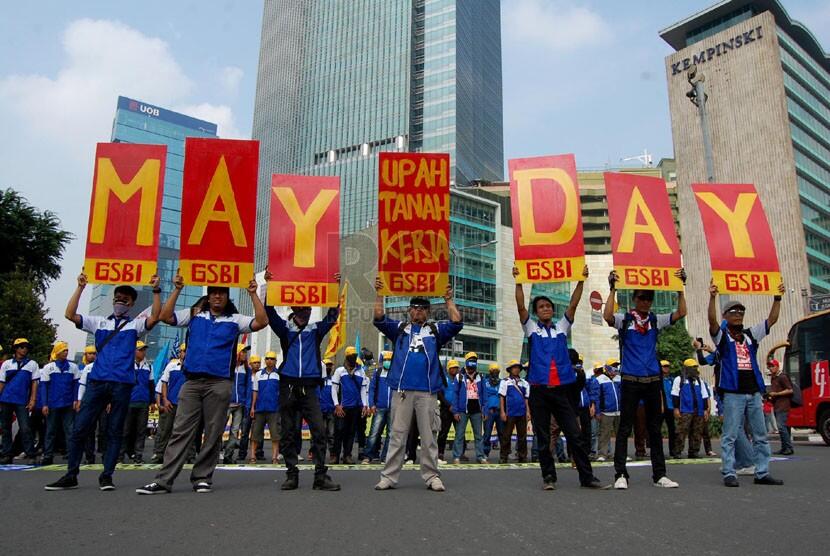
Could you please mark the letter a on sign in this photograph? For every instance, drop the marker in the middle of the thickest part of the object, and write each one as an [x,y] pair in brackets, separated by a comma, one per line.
[125,212]
[218,211]
[741,248]
[643,237]
[304,240]
[547,219]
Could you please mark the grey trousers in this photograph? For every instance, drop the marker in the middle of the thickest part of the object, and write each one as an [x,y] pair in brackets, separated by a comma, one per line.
[235,413]
[165,427]
[199,398]
[425,407]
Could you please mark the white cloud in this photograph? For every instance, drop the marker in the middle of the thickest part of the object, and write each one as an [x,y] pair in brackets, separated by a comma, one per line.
[221,115]
[229,78]
[553,25]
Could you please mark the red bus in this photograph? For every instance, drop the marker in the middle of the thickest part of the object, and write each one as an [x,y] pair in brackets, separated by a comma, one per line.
[806,356]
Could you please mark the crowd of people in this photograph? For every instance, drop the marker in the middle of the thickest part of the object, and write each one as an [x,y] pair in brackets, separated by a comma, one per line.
[409,398]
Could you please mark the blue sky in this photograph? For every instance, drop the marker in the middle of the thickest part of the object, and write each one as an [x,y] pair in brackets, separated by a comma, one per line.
[579,76]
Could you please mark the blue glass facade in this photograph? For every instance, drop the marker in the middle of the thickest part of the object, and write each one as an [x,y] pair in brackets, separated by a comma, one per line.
[138,122]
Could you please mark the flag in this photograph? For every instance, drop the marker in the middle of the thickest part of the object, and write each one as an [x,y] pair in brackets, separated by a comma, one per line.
[338,331]
[161,360]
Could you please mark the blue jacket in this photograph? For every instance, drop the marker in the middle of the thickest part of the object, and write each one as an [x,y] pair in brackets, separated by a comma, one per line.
[301,346]
[692,396]
[116,361]
[728,356]
[451,390]
[461,392]
[667,385]
[638,349]
[142,392]
[174,377]
[415,362]
[59,380]
[212,340]
[267,388]
[607,398]
[324,393]
[240,385]
[351,389]
[547,348]
[379,390]
[491,394]
[17,377]
[249,389]
[515,394]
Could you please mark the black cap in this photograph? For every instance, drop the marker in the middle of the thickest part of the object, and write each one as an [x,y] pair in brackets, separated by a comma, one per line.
[419,302]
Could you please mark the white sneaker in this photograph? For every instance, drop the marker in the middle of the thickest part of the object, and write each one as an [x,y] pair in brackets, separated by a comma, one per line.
[409,462]
[300,458]
[482,460]
[456,461]
[384,484]
[621,484]
[665,482]
[441,462]
[436,485]
[746,471]
[601,458]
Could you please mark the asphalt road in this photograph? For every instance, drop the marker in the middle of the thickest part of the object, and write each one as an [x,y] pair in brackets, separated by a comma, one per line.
[485,510]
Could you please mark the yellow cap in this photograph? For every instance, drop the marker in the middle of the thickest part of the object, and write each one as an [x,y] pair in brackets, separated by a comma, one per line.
[90,349]
[386,355]
[597,364]
[350,350]
[690,363]
[254,359]
[513,363]
[452,363]
[665,363]
[328,361]
[494,367]
[241,347]
[271,355]
[612,361]
[580,358]
[140,345]
[471,355]
[58,348]
[182,347]
[21,341]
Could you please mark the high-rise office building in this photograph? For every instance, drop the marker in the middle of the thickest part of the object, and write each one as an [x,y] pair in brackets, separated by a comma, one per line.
[767,81]
[138,122]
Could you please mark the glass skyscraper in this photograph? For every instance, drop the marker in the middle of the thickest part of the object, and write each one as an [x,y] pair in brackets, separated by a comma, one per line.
[139,122]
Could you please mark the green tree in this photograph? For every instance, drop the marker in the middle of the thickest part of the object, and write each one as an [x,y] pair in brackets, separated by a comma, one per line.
[24,316]
[675,345]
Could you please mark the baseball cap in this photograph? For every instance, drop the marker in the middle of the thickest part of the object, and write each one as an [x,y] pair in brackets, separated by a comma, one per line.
[729,305]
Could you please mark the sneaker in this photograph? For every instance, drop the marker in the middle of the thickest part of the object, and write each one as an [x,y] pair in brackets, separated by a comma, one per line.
[549,483]
[711,454]
[482,460]
[731,481]
[665,482]
[456,461]
[594,484]
[300,458]
[365,461]
[47,461]
[785,452]
[138,460]
[621,483]
[768,480]
[202,487]
[155,459]
[152,488]
[436,485]
[409,462]
[384,484]
[600,459]
[67,482]
[747,471]
[325,483]
[290,483]
[347,460]
[105,483]
[441,461]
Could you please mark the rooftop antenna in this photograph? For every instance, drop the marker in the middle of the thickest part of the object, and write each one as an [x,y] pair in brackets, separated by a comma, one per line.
[646,159]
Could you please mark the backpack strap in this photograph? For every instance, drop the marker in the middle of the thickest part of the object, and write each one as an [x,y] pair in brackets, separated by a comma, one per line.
[112,334]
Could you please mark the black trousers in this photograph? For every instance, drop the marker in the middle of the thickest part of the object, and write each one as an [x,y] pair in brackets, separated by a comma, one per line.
[135,432]
[345,430]
[301,401]
[668,418]
[544,403]
[652,395]
[583,415]
[447,420]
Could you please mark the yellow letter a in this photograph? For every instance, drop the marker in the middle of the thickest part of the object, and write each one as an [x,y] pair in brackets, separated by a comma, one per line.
[630,227]
[220,188]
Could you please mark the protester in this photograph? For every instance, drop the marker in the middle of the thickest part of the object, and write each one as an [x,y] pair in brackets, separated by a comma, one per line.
[706,435]
[172,379]
[111,381]
[492,408]
[514,411]
[59,378]
[584,409]
[255,363]
[607,407]
[742,384]
[668,406]
[349,393]
[416,378]
[38,422]
[18,393]
[593,391]
[236,409]
[87,363]
[265,407]
[300,379]
[135,425]
[769,417]
[447,408]
[327,409]
[379,397]
[469,409]
[205,396]
[781,394]
[552,378]
[641,375]
[691,408]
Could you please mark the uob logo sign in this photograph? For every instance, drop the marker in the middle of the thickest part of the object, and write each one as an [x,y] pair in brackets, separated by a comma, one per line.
[149,110]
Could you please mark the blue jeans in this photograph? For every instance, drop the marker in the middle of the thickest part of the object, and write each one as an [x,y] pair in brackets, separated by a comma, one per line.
[491,417]
[594,436]
[98,394]
[6,412]
[784,430]
[380,422]
[63,417]
[458,446]
[735,408]
[743,451]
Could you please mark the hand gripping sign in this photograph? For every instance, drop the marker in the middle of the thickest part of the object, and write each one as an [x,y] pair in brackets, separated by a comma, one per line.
[414,223]
[547,219]
[218,211]
[643,238]
[741,248]
[304,240]
[125,213]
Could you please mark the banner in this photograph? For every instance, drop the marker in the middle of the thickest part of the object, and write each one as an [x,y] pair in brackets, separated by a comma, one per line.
[304,240]
[218,212]
[337,334]
[643,237]
[741,248]
[547,219]
[125,213]
[414,223]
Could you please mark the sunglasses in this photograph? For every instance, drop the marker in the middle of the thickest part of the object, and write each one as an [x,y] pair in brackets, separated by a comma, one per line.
[422,307]
[270,358]
[736,311]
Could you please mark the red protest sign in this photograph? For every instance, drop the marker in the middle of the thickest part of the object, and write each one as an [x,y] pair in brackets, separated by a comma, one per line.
[643,238]
[547,219]
[218,211]
[304,240]
[124,213]
[741,248]
[414,223]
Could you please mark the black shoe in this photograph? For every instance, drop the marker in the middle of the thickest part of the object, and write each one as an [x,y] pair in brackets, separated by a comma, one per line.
[785,452]
[89,461]
[324,482]
[6,460]
[47,461]
[156,459]
[138,460]
[67,482]
[768,480]
[202,487]
[594,484]
[549,483]
[290,483]
[731,481]
[152,488]
[105,483]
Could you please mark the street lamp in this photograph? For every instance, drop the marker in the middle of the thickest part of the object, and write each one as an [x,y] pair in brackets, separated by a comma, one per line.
[697,95]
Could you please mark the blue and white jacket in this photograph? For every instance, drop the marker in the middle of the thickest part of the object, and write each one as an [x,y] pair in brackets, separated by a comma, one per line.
[17,377]
[547,349]
[212,340]
[461,392]
[638,347]
[173,377]
[379,390]
[514,392]
[240,385]
[59,381]
[349,390]
[142,392]
[324,393]
[301,346]
[267,388]
[415,362]
[691,394]
[491,400]
[607,398]
[116,361]
[727,351]
[451,390]
[668,383]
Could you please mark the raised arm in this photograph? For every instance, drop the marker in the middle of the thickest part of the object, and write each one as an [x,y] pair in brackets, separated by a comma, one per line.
[153,319]
[379,312]
[169,309]
[521,307]
[260,317]
[681,298]
[72,307]
[775,310]
[576,295]
[452,309]
[608,312]
[714,321]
